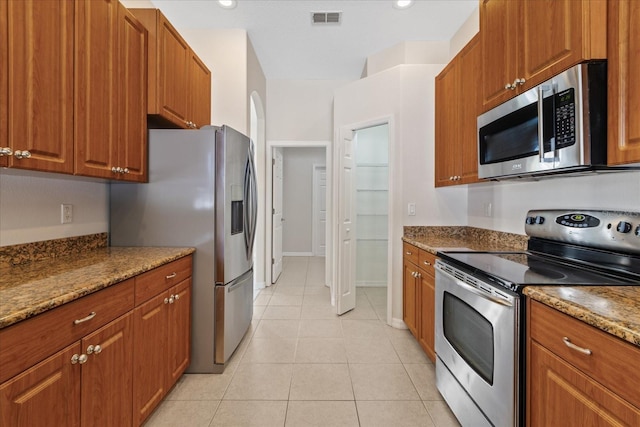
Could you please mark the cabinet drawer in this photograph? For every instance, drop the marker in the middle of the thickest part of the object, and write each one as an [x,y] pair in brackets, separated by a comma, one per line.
[427,262]
[27,343]
[411,252]
[162,278]
[612,362]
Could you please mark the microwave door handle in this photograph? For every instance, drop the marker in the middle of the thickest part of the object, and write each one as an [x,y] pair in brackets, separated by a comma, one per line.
[541,90]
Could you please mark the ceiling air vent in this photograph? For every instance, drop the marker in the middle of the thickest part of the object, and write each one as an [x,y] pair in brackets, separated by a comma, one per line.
[324,18]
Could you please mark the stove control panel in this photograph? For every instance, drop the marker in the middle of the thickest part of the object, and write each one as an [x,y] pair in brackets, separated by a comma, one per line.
[614,230]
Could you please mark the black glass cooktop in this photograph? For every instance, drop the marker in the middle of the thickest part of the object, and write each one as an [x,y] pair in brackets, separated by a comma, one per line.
[518,269]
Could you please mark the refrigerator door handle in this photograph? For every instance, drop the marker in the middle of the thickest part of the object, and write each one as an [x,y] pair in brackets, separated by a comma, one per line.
[254,199]
[251,203]
[247,202]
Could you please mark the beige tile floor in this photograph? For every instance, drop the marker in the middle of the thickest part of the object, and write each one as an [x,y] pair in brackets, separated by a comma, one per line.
[301,365]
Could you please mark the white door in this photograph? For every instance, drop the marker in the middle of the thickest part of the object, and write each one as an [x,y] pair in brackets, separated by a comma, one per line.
[319,210]
[277,220]
[346,286]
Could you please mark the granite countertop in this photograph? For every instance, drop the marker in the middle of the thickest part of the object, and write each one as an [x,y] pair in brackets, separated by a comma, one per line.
[433,239]
[613,309]
[32,288]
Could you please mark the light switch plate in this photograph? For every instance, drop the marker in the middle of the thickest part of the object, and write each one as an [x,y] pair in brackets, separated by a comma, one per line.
[411,208]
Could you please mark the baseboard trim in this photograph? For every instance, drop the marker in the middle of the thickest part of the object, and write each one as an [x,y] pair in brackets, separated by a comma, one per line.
[297,253]
[398,323]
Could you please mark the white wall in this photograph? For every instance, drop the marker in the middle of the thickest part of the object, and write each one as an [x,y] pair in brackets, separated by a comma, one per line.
[301,110]
[404,97]
[298,198]
[510,200]
[469,29]
[30,206]
[408,52]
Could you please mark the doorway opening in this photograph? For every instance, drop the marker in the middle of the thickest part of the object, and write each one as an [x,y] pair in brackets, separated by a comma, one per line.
[299,203]
[363,257]
[372,205]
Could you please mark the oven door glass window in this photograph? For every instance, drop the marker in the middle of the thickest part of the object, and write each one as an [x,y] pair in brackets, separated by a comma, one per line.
[470,334]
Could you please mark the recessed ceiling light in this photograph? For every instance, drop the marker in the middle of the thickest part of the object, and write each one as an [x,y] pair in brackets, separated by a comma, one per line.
[402,4]
[227,4]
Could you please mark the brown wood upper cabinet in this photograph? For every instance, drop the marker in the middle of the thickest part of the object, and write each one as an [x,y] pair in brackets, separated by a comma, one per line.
[38,72]
[624,91]
[458,103]
[179,87]
[73,91]
[110,95]
[528,42]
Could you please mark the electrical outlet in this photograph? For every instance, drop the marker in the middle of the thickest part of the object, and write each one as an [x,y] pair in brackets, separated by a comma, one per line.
[66,214]
[488,209]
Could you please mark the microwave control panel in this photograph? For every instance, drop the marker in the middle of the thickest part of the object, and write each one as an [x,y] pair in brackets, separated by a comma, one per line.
[565,107]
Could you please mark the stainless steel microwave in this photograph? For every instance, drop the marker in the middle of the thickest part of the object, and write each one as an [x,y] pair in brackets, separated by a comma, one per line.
[557,126]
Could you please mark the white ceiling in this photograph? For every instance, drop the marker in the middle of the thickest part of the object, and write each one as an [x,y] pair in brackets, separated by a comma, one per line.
[289,47]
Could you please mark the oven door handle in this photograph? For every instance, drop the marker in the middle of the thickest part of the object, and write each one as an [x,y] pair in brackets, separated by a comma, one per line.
[477,291]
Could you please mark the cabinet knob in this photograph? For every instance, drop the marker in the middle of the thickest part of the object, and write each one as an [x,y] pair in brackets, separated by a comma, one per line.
[177,297]
[5,151]
[172,299]
[81,359]
[125,170]
[509,86]
[114,169]
[519,82]
[166,300]
[94,349]
[24,154]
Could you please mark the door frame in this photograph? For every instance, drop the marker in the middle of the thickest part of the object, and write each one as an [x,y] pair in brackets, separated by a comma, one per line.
[314,209]
[394,155]
[327,145]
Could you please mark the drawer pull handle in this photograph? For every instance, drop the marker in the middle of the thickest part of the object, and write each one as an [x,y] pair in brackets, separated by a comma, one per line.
[427,263]
[409,253]
[85,319]
[171,276]
[571,345]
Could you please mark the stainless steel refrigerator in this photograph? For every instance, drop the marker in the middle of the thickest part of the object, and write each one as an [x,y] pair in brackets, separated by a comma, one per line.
[201,193]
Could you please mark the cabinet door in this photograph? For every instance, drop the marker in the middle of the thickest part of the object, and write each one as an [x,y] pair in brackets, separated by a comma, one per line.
[40,80]
[96,105]
[179,331]
[149,356]
[173,58]
[499,33]
[470,106]
[4,85]
[426,329]
[410,298]
[199,92]
[447,130]
[557,34]
[560,395]
[48,394]
[107,376]
[132,97]
[624,89]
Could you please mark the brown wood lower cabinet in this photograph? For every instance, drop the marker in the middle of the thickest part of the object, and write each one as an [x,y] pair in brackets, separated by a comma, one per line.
[47,394]
[419,296]
[106,362]
[566,386]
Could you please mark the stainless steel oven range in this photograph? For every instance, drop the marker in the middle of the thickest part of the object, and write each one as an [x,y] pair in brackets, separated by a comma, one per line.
[480,321]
